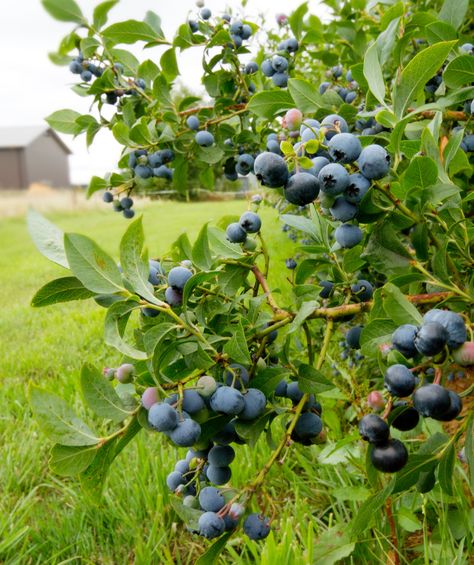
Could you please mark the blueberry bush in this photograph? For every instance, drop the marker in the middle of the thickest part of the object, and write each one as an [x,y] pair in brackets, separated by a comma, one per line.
[357,132]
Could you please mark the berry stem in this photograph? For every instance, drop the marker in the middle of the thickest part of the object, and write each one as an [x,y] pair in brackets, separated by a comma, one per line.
[393,532]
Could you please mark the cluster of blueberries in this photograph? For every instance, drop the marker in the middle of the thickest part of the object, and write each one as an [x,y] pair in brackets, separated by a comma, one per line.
[209,462]
[237,232]
[176,281]
[349,93]
[147,165]
[340,190]
[86,69]
[123,204]
[239,31]
[276,67]
[440,329]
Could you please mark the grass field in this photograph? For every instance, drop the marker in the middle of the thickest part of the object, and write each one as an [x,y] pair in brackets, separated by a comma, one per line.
[46,519]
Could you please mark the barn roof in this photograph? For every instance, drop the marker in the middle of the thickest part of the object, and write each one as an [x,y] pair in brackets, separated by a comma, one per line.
[22,136]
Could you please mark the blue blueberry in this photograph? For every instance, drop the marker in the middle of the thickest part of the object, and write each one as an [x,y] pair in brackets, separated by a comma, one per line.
[251,222]
[432,400]
[255,402]
[75,67]
[291,264]
[357,189]
[350,97]
[302,189]
[363,290]
[308,426]
[273,146]
[163,172]
[374,162]
[218,475]
[454,409]
[403,340]
[333,179]
[236,41]
[342,210]
[290,45]
[143,171]
[431,338]
[235,233]
[163,417]
[246,31]
[353,337]
[173,296]
[390,457]
[256,526]
[182,466]
[205,13]
[108,196]
[271,170]
[327,288]
[344,148]
[174,479]
[323,87]
[221,455]
[251,68]
[126,202]
[452,322]
[204,138]
[211,499]
[279,63]
[192,401]
[227,400]
[86,75]
[267,68]
[373,429]
[348,235]
[334,124]
[407,419]
[280,80]
[211,525]
[186,433]
[178,277]
[236,375]
[193,123]
[244,164]
[399,380]
[128,213]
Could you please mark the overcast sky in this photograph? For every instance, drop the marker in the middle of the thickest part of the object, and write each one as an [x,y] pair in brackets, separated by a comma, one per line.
[32,87]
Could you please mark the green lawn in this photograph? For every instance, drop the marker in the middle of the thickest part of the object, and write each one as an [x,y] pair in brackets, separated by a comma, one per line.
[46,519]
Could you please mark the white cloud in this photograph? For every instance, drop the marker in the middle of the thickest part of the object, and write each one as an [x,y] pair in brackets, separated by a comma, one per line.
[32,87]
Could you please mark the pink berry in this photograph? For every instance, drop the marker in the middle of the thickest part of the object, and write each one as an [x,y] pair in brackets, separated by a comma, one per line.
[149,397]
[293,119]
[465,354]
[375,400]
[124,373]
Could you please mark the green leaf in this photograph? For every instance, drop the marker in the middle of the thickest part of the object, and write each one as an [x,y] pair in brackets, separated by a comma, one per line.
[70,460]
[95,184]
[209,557]
[64,289]
[398,307]
[440,31]
[385,252]
[305,310]
[201,251]
[190,516]
[408,520]
[115,322]
[221,246]
[92,266]
[134,262]
[453,12]
[446,470]
[417,73]
[373,73]
[459,71]
[301,223]
[93,478]
[469,450]
[169,64]
[64,10]
[332,546]
[196,280]
[57,419]
[267,379]
[64,121]
[236,348]
[251,431]
[100,395]
[376,333]
[47,237]
[130,31]
[269,103]
[422,172]
[368,510]
[312,381]
[305,95]
[101,12]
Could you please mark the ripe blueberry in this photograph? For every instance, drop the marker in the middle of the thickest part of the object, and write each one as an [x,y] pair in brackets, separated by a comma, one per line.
[373,429]
[271,170]
[374,162]
[399,380]
[403,340]
[431,338]
[390,457]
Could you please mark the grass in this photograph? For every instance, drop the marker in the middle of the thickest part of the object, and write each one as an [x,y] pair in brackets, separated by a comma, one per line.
[45,519]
